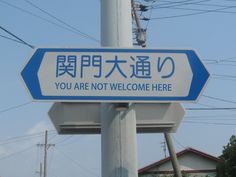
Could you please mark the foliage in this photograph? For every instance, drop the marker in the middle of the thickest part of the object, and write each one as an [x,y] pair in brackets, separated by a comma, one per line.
[227,167]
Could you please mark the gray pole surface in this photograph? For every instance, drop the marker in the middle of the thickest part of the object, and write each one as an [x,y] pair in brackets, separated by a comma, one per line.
[173,156]
[118,130]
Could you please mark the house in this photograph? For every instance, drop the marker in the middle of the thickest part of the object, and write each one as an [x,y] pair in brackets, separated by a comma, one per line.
[193,163]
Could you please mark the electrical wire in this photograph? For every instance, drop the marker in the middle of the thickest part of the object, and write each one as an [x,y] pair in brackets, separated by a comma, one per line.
[223,79]
[211,116]
[219,99]
[206,105]
[87,170]
[150,16]
[225,76]
[222,60]
[180,144]
[209,123]
[5,37]
[15,36]
[19,138]
[212,119]
[211,109]
[39,17]
[198,3]
[161,3]
[63,139]
[171,5]
[176,4]
[201,10]
[191,14]
[15,107]
[16,153]
[63,22]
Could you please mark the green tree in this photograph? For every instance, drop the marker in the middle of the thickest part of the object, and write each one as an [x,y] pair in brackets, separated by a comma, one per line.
[227,166]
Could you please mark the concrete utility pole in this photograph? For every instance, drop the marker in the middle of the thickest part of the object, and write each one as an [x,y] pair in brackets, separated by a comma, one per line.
[163,145]
[118,130]
[173,156]
[141,34]
[46,147]
[45,154]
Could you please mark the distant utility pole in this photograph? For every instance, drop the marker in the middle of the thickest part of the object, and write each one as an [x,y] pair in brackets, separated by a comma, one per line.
[163,146]
[139,31]
[46,147]
[40,172]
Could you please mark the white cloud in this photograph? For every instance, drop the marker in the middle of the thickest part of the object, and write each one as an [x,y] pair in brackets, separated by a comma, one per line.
[39,127]
[3,151]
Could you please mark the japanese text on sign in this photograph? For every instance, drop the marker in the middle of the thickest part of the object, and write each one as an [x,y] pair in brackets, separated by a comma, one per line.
[140,67]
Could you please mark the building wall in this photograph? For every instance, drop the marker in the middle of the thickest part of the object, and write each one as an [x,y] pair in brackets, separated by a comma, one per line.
[187,162]
[184,175]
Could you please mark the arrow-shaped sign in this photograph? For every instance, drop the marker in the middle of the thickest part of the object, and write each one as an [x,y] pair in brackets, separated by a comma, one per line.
[85,118]
[114,75]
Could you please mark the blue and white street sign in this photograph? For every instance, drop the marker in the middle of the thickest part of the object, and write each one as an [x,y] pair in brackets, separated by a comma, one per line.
[114,75]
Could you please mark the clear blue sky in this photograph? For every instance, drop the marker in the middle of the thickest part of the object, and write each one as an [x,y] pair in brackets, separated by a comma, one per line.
[211,34]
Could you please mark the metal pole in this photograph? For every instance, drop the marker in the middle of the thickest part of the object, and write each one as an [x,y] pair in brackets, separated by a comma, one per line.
[173,156]
[118,129]
[45,154]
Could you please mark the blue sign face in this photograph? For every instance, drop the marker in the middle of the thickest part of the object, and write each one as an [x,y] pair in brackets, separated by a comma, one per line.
[114,75]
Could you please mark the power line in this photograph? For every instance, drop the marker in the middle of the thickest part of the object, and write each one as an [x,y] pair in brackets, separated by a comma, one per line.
[63,139]
[37,16]
[24,136]
[211,109]
[220,61]
[209,123]
[206,105]
[212,119]
[223,79]
[211,116]
[16,153]
[176,4]
[191,14]
[63,22]
[186,3]
[88,170]
[225,76]
[221,64]
[219,99]
[21,138]
[201,10]
[166,3]
[21,40]
[11,39]
[181,145]
[15,107]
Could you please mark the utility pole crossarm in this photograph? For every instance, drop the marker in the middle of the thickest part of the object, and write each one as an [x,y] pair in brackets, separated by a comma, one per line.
[46,146]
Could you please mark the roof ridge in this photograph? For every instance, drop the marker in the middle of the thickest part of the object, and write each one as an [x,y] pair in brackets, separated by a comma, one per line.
[188,149]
